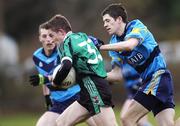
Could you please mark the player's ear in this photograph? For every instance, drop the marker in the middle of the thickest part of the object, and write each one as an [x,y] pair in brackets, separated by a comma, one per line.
[61,31]
[119,19]
[40,39]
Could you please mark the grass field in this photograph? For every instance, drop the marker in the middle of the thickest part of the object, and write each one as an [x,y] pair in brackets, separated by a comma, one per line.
[27,119]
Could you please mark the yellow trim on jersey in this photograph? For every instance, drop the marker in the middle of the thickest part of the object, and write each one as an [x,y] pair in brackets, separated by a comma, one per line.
[119,59]
[136,30]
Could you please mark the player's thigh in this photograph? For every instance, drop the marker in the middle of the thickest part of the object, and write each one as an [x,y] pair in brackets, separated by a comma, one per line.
[143,121]
[72,115]
[90,122]
[135,111]
[106,117]
[177,122]
[125,106]
[165,117]
[48,119]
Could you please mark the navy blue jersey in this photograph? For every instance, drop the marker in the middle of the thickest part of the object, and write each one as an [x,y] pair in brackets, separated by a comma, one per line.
[45,66]
[146,57]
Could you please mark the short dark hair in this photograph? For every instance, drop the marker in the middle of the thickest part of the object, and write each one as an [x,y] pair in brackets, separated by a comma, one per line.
[57,22]
[43,26]
[116,10]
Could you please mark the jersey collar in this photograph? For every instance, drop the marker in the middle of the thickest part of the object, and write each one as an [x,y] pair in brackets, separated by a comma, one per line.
[68,34]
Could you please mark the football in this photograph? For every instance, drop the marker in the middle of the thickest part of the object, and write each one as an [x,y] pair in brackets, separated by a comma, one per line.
[69,81]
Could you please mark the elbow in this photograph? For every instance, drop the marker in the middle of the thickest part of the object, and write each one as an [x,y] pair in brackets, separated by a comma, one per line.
[129,48]
[131,44]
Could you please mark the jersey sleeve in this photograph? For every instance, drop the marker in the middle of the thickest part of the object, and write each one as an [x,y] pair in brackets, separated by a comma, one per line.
[35,60]
[67,47]
[115,59]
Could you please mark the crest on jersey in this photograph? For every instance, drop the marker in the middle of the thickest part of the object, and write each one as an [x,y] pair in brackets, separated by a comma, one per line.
[40,64]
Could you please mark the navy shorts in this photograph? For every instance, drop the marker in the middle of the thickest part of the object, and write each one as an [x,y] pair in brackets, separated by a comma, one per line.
[156,94]
[59,107]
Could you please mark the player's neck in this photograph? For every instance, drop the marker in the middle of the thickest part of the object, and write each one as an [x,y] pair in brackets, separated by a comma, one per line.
[122,29]
[48,52]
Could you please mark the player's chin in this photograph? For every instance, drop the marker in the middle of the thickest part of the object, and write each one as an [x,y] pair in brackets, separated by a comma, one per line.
[51,47]
[109,32]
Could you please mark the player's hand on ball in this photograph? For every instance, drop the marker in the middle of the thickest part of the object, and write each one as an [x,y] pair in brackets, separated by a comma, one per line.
[68,81]
[38,79]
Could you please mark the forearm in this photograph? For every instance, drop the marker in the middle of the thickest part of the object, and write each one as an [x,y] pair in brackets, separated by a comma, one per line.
[111,47]
[127,45]
[62,72]
[113,77]
[45,90]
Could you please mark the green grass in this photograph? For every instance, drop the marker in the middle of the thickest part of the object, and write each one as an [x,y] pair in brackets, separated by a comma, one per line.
[27,119]
[150,116]
[20,119]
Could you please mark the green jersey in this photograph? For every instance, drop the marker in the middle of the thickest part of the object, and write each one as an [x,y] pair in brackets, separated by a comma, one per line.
[86,58]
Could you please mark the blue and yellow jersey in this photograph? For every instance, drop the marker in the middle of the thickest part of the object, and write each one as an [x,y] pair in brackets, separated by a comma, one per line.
[130,75]
[146,57]
[45,66]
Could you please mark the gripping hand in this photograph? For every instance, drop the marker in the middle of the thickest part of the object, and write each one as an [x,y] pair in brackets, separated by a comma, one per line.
[38,79]
[97,42]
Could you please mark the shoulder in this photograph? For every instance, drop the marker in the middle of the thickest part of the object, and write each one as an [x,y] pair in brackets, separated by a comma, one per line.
[136,27]
[136,23]
[77,36]
[38,51]
[38,54]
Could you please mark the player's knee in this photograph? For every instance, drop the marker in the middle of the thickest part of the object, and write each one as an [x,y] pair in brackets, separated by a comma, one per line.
[127,120]
[64,122]
[60,122]
[144,124]
[124,120]
[170,123]
[167,123]
[41,122]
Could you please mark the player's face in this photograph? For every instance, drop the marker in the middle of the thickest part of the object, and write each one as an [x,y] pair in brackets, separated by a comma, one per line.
[111,25]
[57,37]
[46,39]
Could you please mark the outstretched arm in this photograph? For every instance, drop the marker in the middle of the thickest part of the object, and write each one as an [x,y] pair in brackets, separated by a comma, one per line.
[121,46]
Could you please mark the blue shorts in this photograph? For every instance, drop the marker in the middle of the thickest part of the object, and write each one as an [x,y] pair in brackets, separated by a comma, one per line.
[59,107]
[156,93]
